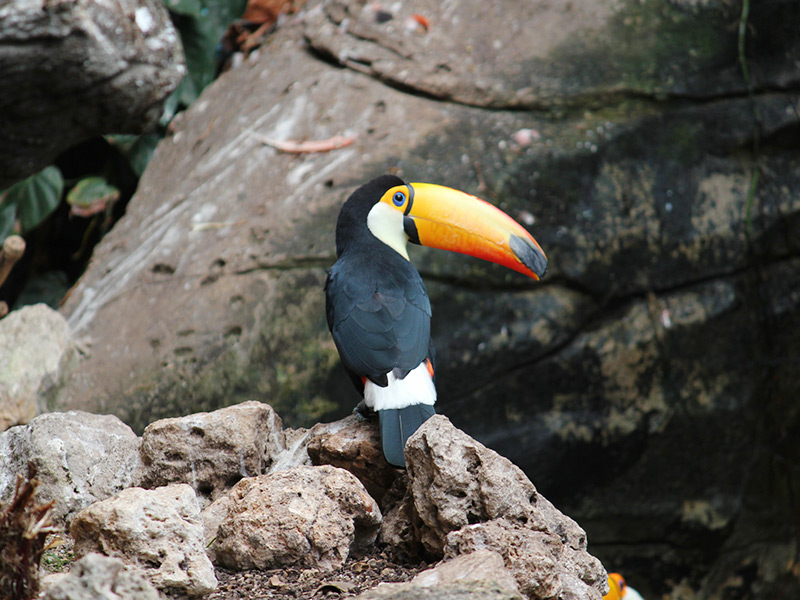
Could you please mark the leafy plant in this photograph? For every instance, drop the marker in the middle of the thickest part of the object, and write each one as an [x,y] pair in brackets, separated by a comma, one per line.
[25,205]
[91,195]
[201,24]
[29,202]
[137,149]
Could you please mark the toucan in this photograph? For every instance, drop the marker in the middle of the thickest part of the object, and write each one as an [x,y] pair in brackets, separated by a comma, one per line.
[377,308]
[619,589]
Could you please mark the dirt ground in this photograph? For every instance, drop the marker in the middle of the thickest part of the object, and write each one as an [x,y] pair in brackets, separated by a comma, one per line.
[354,577]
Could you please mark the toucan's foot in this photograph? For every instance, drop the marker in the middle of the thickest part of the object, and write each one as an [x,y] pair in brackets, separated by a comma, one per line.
[399,424]
[363,412]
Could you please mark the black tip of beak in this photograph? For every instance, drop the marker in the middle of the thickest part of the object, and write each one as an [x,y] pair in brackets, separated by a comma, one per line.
[530,255]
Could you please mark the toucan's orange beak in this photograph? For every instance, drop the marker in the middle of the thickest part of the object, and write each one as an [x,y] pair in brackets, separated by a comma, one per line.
[441,217]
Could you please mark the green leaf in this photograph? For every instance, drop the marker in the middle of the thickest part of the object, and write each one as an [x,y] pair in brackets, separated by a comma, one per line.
[137,149]
[36,197]
[181,97]
[200,38]
[8,215]
[190,8]
[91,195]
[200,34]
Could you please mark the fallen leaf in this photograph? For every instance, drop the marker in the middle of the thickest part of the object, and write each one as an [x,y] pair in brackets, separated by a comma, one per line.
[295,147]
[423,21]
[205,226]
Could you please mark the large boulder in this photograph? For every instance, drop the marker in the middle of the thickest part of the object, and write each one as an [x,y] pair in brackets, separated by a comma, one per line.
[77,457]
[211,451]
[465,497]
[653,362]
[37,347]
[157,533]
[306,516]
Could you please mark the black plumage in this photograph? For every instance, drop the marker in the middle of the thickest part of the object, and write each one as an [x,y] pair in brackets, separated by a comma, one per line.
[377,307]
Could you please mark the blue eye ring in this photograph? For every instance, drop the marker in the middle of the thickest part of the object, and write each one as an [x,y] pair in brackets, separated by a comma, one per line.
[399,198]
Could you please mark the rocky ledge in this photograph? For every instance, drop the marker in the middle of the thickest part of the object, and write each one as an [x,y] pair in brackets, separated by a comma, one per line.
[231,491]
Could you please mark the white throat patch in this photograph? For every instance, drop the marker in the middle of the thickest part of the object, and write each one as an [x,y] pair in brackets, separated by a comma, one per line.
[386,224]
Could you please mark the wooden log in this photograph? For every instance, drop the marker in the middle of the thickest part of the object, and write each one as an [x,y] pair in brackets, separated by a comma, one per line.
[12,250]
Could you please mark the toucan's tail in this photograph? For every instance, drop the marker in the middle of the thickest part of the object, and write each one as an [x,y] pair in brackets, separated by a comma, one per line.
[397,425]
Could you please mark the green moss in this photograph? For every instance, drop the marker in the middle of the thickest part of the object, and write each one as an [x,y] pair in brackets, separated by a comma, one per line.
[58,559]
[648,47]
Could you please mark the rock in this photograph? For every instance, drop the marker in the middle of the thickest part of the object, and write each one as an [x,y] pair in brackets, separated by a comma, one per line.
[355,445]
[450,591]
[466,60]
[98,577]
[37,346]
[479,575]
[456,481]
[650,362]
[401,527]
[544,563]
[212,451]
[305,516]
[468,498]
[77,69]
[79,458]
[295,452]
[480,565]
[158,532]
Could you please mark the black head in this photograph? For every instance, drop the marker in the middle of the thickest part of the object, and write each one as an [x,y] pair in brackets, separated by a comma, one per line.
[352,223]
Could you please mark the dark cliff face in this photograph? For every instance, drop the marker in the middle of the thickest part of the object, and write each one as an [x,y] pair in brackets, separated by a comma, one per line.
[642,385]
[646,385]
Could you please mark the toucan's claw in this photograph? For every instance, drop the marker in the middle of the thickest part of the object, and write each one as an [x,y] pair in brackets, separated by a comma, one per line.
[363,412]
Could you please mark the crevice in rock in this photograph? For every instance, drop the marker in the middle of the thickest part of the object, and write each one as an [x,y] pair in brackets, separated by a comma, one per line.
[299,262]
[566,106]
[323,55]
[607,300]
[606,305]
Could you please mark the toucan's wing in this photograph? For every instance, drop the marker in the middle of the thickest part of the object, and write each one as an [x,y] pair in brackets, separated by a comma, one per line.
[379,317]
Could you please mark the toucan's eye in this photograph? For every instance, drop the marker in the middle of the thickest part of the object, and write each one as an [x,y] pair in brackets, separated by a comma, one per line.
[399,198]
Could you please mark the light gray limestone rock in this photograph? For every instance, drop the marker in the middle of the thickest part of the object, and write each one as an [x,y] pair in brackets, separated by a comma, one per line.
[35,346]
[79,458]
[98,577]
[212,451]
[159,532]
[304,516]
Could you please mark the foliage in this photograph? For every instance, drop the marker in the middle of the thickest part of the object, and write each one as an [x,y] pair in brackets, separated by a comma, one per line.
[58,556]
[24,527]
[24,206]
[30,201]
[91,195]
[201,24]
[137,149]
